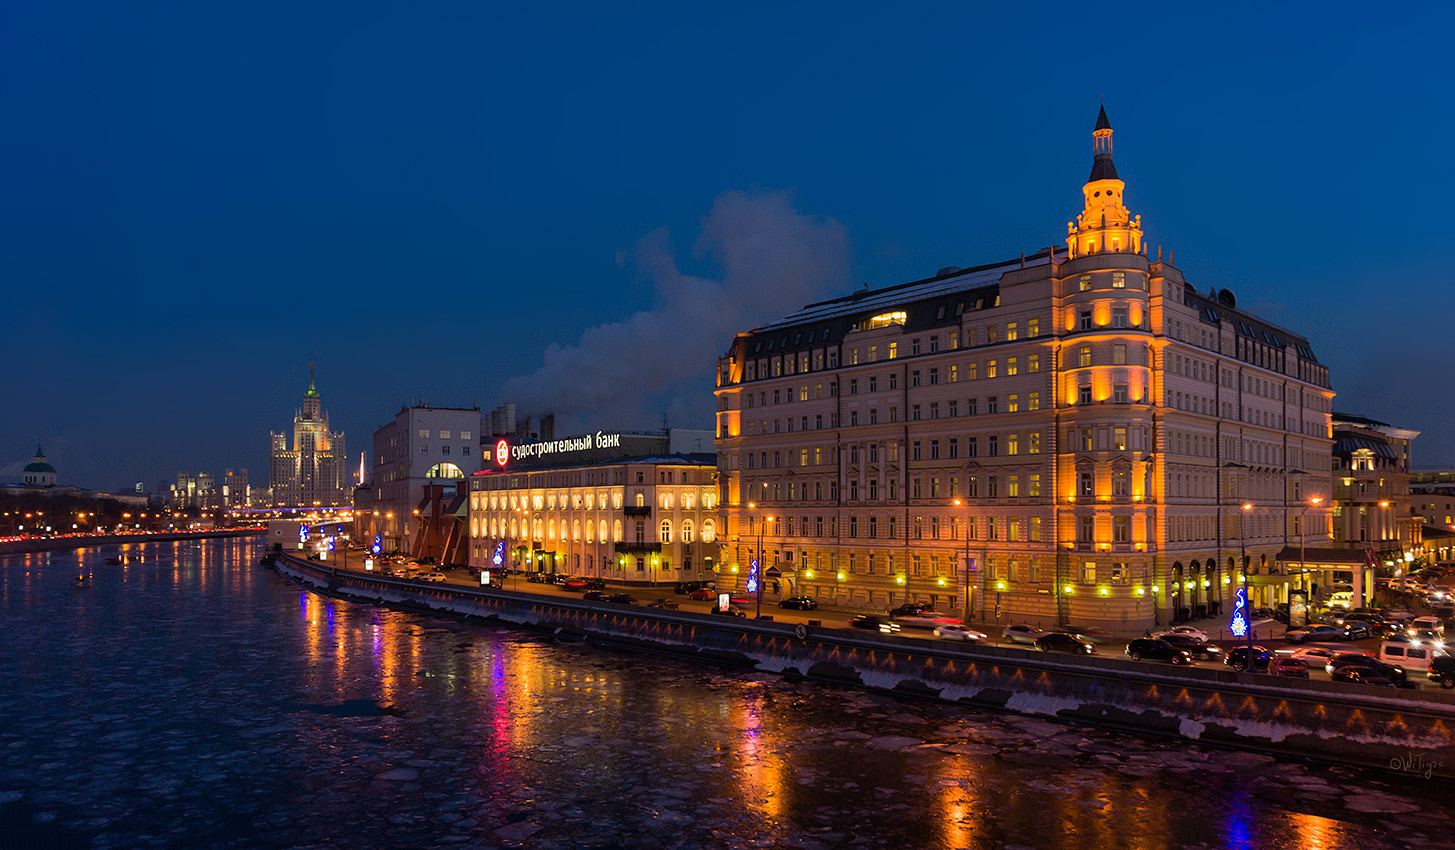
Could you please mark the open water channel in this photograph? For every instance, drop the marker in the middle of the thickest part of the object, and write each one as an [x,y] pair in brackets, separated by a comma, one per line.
[196,700]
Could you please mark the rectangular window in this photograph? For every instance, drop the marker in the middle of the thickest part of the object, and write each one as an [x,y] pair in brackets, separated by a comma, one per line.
[934,377]
[1013,532]
[464,435]
[914,378]
[1084,283]
[1033,328]
[893,350]
[1118,317]
[1086,484]
[934,449]
[971,408]
[444,450]
[992,404]
[1085,323]
[1119,483]
[934,344]
[914,413]
[1083,356]
[1118,280]
[990,368]
[972,370]
[1013,486]
[972,447]
[1084,529]
[1012,365]
[424,433]
[1012,332]
[1088,572]
[1119,355]
[1083,394]
[1013,444]
[1121,529]
[954,408]
[1033,443]
[1013,403]
[1033,363]
[1035,532]
[1119,438]
[914,450]
[1119,392]
[1033,485]
[1033,401]
[994,446]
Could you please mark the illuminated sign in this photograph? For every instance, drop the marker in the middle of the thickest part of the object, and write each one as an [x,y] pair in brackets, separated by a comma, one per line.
[368,563]
[522,451]
[724,600]
[502,453]
[484,578]
[1239,626]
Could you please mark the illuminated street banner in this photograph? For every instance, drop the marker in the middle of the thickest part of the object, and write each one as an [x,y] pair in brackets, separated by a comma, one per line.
[506,452]
[1239,625]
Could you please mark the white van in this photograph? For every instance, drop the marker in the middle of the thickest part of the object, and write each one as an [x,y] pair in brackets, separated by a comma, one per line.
[1412,655]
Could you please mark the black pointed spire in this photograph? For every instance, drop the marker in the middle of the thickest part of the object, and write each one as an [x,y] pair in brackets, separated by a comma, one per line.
[1102,167]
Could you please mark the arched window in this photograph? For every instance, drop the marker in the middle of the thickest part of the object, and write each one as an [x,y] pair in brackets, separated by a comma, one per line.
[667,501]
[641,532]
[666,531]
[540,529]
[617,532]
[641,500]
[709,530]
[551,530]
[474,528]
[686,531]
[576,530]
[444,470]
[616,501]
[602,538]
[688,501]
[513,532]
[590,529]
[708,501]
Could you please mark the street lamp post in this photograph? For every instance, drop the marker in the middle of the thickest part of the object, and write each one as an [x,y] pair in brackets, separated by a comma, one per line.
[965,564]
[1247,602]
[1313,502]
[756,574]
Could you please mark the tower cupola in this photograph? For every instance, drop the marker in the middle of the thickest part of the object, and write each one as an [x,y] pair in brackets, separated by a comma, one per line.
[1105,225]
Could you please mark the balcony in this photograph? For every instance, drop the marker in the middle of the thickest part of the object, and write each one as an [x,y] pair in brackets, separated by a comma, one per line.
[633,548]
[637,510]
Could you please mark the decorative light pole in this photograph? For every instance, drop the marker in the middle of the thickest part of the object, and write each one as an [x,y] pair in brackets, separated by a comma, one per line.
[965,564]
[755,572]
[1240,625]
[1313,502]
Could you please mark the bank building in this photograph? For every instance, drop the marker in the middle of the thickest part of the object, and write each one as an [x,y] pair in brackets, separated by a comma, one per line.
[636,508]
[1075,436]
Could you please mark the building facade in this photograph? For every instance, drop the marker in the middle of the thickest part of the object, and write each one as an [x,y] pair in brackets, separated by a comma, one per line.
[424,446]
[1373,508]
[1077,436]
[313,473]
[640,520]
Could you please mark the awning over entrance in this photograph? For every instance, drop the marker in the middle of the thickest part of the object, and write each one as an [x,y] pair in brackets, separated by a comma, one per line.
[1322,558]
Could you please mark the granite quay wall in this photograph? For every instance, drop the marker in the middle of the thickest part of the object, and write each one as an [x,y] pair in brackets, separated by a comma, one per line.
[55,544]
[1406,731]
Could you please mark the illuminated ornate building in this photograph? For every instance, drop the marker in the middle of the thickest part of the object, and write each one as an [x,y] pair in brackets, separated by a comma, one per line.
[313,473]
[637,508]
[1101,423]
[1372,503]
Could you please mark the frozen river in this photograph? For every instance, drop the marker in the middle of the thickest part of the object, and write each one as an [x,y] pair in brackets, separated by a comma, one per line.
[196,700]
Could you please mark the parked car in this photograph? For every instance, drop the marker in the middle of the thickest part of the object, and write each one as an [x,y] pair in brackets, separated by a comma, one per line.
[664,603]
[559,579]
[1294,668]
[1442,670]
[622,599]
[798,603]
[1321,633]
[1200,649]
[1182,630]
[1361,676]
[1020,634]
[536,578]
[730,611]
[596,583]
[1156,649]
[702,594]
[682,588]
[433,577]
[597,595]
[1237,658]
[873,623]
[1365,662]
[956,631]
[1355,630]
[1062,642]
[1432,624]
[575,583]
[910,609]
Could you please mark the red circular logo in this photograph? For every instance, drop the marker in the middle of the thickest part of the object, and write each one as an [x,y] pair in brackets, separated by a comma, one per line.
[502,453]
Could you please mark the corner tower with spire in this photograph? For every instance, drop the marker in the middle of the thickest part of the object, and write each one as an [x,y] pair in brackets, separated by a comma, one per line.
[1105,224]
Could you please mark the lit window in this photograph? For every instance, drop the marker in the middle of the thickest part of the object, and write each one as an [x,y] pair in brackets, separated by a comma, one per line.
[1118,280]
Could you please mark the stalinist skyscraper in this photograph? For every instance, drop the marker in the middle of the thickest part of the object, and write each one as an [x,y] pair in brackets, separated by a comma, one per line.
[312,473]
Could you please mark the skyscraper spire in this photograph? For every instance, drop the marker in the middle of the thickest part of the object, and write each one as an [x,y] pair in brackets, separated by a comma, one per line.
[311,391]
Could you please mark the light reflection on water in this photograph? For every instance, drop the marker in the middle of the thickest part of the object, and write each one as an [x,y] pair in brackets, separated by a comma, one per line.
[205,702]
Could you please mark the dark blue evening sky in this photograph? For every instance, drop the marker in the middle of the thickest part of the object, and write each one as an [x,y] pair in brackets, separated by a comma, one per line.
[200,199]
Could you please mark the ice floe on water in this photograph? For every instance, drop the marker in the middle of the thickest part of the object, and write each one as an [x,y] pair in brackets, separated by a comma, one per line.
[250,714]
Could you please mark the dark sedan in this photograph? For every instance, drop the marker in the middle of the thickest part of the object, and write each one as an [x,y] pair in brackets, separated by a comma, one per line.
[622,599]
[1360,676]
[1199,649]
[1237,658]
[872,623]
[1062,642]
[596,595]
[730,611]
[798,603]
[1365,662]
[1155,649]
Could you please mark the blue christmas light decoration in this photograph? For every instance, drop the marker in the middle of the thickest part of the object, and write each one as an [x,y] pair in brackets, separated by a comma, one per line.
[330,544]
[302,533]
[1239,625]
[753,576]
[378,543]
[499,554]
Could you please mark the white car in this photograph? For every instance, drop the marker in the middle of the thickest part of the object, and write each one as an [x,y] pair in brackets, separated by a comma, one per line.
[1182,630]
[1020,634]
[954,631]
[433,576]
[1314,656]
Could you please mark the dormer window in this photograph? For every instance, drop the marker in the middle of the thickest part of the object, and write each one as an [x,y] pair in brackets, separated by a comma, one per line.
[884,320]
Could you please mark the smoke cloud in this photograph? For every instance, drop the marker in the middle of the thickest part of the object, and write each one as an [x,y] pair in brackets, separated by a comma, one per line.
[772,260]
